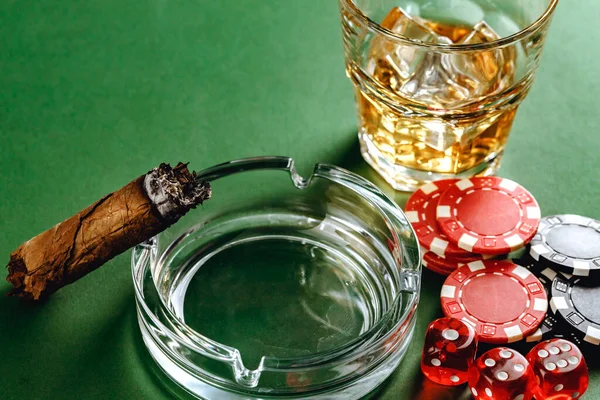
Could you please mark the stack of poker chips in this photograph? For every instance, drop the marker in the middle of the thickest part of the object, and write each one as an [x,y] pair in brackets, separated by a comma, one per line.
[466,227]
[460,221]
[565,255]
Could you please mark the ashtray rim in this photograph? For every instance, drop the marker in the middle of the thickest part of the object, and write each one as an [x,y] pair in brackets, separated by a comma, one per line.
[358,346]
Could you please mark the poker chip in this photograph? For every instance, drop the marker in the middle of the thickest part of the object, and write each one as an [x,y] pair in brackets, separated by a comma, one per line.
[421,212]
[488,215]
[545,275]
[436,269]
[442,266]
[503,301]
[547,328]
[568,243]
[449,263]
[578,307]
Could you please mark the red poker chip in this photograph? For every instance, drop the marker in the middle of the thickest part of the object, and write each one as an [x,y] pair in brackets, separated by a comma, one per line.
[502,301]
[443,263]
[437,269]
[421,212]
[445,266]
[488,215]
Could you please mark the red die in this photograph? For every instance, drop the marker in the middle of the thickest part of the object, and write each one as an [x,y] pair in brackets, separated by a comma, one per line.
[502,374]
[560,370]
[449,351]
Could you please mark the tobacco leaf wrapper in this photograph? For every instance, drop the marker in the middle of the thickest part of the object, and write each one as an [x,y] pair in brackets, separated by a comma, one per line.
[113,224]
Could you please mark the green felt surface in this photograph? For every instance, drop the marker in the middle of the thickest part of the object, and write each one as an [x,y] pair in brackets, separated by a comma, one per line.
[94,93]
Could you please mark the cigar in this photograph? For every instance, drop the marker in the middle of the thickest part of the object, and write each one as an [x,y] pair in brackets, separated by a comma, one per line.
[115,223]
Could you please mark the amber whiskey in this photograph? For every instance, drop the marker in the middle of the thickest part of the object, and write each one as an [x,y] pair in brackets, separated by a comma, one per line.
[442,112]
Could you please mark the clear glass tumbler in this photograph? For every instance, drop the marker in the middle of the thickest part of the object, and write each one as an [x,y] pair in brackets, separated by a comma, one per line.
[438,82]
[280,286]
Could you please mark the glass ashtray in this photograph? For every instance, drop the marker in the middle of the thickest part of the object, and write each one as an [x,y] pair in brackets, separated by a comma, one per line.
[280,286]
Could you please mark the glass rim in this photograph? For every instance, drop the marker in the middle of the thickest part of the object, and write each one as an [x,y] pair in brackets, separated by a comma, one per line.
[503,41]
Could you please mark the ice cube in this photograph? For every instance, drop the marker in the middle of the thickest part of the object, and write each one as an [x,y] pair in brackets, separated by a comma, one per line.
[485,72]
[402,23]
[504,26]
[451,80]
[481,33]
[397,62]
[433,82]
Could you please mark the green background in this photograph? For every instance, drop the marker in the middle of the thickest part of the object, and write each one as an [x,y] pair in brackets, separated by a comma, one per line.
[95,93]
